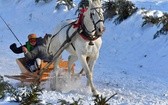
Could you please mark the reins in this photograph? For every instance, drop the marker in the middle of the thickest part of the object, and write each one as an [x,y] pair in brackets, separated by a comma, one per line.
[59,32]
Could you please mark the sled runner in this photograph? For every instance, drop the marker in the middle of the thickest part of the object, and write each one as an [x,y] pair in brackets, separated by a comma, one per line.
[27,76]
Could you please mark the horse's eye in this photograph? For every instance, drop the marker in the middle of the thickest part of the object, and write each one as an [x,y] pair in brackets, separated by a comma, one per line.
[92,14]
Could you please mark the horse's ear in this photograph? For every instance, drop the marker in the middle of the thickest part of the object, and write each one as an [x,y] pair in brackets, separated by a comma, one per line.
[90,2]
[96,2]
[47,36]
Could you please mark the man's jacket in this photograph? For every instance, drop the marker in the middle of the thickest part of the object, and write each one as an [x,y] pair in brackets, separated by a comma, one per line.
[39,52]
[18,50]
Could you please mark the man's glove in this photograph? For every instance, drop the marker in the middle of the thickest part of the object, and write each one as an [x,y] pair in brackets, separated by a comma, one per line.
[13,46]
[15,49]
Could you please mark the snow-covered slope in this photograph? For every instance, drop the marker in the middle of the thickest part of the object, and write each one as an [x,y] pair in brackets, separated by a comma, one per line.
[131,62]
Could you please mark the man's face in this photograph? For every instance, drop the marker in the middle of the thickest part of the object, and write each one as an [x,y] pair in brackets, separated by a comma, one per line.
[32,41]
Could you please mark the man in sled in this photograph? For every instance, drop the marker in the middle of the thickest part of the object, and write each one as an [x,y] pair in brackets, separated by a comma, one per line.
[37,55]
[31,60]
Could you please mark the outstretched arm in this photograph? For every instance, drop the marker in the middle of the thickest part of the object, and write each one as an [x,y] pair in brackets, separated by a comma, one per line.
[15,49]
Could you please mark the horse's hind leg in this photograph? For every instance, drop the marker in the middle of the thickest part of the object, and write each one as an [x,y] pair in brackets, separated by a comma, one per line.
[71,60]
[55,72]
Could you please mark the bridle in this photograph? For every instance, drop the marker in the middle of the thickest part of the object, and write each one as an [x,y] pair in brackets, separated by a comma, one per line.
[85,31]
[98,12]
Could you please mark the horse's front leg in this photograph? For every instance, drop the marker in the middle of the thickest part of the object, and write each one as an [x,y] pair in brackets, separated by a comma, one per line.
[88,73]
[91,64]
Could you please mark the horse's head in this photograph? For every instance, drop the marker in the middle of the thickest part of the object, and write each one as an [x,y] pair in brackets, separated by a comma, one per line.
[93,21]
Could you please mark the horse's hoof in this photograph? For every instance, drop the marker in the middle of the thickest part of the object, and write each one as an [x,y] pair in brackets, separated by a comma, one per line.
[95,92]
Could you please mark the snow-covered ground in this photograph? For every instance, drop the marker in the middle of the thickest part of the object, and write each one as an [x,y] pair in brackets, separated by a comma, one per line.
[131,63]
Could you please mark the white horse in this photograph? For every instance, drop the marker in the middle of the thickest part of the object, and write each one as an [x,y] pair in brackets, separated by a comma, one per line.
[84,41]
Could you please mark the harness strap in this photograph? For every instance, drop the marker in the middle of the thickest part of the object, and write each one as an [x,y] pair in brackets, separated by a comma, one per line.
[73,46]
[61,30]
[81,16]
[88,37]
[68,38]
[57,54]
[85,34]
[67,35]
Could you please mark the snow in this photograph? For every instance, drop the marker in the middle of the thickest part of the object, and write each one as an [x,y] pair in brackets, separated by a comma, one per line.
[131,63]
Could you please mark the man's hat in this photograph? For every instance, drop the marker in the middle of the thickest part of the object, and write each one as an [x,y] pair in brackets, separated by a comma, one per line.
[32,36]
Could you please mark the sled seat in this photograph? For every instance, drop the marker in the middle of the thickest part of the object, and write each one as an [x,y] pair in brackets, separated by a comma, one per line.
[27,76]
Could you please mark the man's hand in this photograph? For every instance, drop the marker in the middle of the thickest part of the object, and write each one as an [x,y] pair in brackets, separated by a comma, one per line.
[24,49]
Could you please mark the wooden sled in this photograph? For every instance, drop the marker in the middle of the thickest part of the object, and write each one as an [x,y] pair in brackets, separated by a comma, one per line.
[27,76]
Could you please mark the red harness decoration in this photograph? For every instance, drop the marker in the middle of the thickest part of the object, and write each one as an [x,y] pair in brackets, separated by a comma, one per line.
[86,38]
[77,25]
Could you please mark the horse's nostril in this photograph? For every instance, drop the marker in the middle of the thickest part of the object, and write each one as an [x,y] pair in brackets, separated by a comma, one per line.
[99,30]
[102,29]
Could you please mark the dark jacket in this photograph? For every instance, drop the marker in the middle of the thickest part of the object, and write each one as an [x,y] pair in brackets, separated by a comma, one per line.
[39,52]
[18,50]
